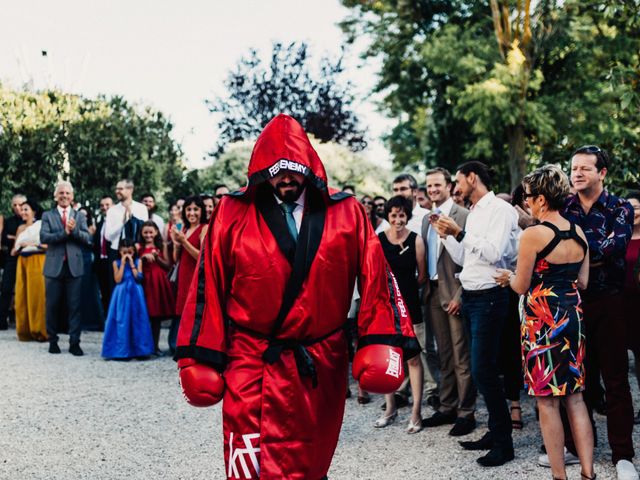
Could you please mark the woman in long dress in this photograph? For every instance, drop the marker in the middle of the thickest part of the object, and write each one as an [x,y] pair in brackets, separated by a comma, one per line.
[29,292]
[186,248]
[553,262]
[127,331]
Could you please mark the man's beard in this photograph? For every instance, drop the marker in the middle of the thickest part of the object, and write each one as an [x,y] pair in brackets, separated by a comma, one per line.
[289,196]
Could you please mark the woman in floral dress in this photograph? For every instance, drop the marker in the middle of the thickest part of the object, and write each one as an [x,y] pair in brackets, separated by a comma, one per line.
[553,263]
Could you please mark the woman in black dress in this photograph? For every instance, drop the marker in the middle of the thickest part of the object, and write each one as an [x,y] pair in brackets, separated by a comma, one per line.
[553,263]
[405,254]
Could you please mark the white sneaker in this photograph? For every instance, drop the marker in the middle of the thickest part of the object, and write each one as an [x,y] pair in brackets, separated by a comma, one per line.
[569,459]
[626,470]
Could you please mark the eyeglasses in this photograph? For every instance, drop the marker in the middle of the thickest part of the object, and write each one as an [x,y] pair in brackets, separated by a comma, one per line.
[589,149]
[529,195]
[367,202]
[401,189]
[379,205]
[219,195]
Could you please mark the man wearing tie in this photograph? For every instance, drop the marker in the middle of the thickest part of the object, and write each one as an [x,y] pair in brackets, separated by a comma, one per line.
[263,322]
[442,298]
[64,230]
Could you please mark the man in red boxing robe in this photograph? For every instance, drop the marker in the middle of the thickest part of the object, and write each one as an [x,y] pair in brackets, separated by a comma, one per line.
[262,326]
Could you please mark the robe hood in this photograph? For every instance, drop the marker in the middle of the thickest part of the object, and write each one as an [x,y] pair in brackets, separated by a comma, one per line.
[284,145]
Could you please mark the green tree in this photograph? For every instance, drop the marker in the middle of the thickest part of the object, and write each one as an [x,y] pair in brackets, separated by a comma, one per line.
[49,135]
[512,83]
[230,168]
[258,92]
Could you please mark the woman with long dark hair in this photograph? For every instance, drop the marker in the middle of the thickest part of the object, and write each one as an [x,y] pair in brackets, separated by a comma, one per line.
[186,248]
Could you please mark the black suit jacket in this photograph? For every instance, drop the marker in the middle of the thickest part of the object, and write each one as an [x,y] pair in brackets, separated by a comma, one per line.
[97,240]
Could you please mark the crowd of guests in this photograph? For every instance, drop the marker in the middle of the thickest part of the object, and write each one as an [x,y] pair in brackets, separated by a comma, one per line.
[533,289]
[123,274]
[536,288]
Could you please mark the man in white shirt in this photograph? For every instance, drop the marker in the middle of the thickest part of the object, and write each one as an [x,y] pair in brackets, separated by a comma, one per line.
[219,192]
[121,213]
[442,299]
[488,242]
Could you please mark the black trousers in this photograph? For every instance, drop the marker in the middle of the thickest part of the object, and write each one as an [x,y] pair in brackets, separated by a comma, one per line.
[104,272]
[70,288]
[510,357]
[7,287]
[606,329]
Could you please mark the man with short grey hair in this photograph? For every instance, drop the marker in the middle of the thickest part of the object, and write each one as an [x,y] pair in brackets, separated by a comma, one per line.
[11,225]
[126,210]
[64,231]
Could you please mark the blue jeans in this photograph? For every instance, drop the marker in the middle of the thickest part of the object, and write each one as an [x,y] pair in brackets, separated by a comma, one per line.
[485,313]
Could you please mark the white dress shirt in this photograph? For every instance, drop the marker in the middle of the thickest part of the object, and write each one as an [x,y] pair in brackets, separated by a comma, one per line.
[299,210]
[115,221]
[384,225]
[490,242]
[62,211]
[415,222]
[157,219]
[444,209]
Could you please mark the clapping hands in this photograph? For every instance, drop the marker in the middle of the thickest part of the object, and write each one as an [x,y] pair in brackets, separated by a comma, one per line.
[71,224]
[177,235]
[151,256]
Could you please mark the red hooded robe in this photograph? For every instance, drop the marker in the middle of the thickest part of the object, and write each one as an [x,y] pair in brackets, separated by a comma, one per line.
[267,312]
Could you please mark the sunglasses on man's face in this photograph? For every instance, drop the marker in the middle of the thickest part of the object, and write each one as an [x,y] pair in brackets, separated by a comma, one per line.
[590,149]
[219,195]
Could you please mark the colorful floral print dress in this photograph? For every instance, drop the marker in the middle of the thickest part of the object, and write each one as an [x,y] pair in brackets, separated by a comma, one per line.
[551,329]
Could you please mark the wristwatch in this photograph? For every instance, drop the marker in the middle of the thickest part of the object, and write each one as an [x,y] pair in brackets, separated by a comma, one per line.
[460,236]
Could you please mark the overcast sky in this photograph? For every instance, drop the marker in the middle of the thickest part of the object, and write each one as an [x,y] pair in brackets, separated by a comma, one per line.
[169,54]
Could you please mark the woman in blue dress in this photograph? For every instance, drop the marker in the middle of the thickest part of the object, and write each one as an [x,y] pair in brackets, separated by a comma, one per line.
[127,332]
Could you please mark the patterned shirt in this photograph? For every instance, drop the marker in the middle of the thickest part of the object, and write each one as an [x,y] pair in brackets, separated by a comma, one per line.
[608,227]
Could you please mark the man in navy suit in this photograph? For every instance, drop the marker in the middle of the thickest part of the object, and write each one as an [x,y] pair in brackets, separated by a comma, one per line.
[64,230]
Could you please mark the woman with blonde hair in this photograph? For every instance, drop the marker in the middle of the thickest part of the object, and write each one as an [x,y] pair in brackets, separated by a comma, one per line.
[553,263]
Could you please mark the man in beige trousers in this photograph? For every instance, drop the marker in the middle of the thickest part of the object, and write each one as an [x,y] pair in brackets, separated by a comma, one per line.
[442,298]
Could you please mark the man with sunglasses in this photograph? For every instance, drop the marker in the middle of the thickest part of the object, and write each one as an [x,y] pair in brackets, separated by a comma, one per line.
[219,192]
[378,204]
[607,222]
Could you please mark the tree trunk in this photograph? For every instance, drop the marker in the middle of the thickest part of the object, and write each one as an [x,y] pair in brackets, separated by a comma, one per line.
[517,161]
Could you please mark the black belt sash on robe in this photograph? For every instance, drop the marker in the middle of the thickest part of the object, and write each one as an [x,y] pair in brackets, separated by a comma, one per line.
[300,255]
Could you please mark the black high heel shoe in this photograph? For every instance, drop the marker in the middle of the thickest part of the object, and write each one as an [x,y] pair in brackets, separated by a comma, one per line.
[582,475]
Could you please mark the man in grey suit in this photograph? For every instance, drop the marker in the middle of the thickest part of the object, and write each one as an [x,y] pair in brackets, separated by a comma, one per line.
[442,298]
[64,230]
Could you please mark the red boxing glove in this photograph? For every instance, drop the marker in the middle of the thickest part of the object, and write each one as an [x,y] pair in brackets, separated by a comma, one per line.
[202,385]
[378,368]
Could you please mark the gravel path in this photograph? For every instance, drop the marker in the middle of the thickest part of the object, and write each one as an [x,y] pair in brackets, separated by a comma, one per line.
[63,417]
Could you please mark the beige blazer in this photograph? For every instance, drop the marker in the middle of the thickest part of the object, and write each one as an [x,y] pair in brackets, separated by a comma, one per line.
[448,284]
